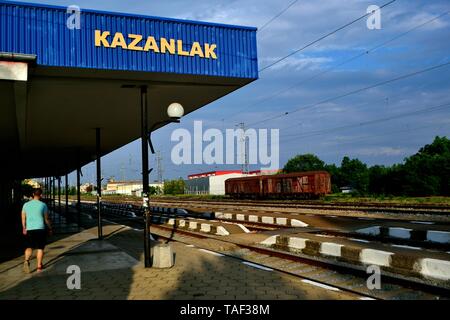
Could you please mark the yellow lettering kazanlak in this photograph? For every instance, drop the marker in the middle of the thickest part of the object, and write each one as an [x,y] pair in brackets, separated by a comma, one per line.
[119,41]
[196,50]
[151,45]
[136,38]
[137,42]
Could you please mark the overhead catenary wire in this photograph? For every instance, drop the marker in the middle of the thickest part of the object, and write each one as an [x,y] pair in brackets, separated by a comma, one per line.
[384,99]
[370,122]
[378,84]
[277,15]
[353,58]
[389,133]
[324,37]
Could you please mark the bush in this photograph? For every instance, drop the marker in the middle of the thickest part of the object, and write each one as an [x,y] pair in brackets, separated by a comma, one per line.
[174,186]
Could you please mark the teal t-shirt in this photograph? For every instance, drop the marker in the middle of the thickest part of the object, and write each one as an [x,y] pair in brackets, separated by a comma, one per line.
[35,211]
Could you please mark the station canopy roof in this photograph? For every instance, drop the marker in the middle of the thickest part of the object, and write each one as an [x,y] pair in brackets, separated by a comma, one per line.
[62,75]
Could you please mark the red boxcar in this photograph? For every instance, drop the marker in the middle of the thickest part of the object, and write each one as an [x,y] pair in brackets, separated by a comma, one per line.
[312,184]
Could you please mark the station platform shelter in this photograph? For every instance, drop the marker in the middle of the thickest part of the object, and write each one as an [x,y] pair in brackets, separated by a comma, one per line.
[77,84]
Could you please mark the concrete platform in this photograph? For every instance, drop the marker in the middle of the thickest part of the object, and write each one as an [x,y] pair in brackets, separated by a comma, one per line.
[432,232]
[113,269]
[203,225]
[430,265]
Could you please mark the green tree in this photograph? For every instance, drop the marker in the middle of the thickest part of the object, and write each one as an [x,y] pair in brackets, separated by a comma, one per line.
[174,186]
[428,171]
[355,174]
[26,189]
[335,174]
[378,179]
[304,162]
[155,190]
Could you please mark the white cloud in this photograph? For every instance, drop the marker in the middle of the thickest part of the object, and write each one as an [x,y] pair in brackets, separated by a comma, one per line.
[296,63]
[382,151]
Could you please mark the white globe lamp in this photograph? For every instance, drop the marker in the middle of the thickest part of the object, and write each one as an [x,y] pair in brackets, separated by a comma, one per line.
[175,111]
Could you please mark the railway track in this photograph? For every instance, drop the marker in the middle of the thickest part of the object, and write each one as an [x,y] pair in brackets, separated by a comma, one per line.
[315,203]
[348,210]
[316,271]
[310,204]
[292,205]
[324,273]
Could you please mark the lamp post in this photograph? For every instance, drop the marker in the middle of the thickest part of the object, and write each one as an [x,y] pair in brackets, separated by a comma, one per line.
[175,111]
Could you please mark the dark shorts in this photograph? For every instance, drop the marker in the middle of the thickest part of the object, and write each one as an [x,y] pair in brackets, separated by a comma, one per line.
[36,239]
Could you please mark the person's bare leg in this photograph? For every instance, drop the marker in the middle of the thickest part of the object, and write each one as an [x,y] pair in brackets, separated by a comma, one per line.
[40,257]
[28,252]
[26,263]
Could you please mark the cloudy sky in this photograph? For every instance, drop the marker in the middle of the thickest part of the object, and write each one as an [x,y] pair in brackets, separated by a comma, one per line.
[381,125]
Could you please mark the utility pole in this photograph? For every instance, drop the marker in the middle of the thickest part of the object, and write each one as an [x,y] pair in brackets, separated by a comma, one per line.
[122,171]
[244,147]
[159,166]
[130,166]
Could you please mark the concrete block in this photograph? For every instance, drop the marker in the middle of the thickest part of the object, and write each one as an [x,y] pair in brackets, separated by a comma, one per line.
[435,268]
[373,231]
[281,221]
[401,233]
[253,218]
[244,228]
[438,236]
[267,219]
[297,243]
[270,241]
[221,231]
[192,225]
[240,217]
[331,249]
[205,227]
[162,256]
[378,257]
[298,223]
[218,215]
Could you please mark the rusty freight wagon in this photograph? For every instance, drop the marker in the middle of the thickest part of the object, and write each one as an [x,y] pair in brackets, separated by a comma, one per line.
[306,185]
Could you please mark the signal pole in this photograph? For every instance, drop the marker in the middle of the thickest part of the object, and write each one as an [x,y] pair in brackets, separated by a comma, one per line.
[244,147]
[159,166]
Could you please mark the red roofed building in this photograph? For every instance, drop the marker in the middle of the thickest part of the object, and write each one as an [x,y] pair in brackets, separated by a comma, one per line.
[213,173]
[213,182]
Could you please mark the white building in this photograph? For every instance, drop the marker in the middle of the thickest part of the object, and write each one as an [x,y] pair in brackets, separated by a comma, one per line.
[129,188]
[214,182]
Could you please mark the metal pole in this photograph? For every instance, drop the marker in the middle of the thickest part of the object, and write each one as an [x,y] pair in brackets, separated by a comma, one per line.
[99,184]
[53,195]
[145,173]
[78,198]
[49,192]
[59,196]
[66,189]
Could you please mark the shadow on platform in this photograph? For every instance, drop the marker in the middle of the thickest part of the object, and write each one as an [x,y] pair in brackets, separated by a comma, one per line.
[113,269]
